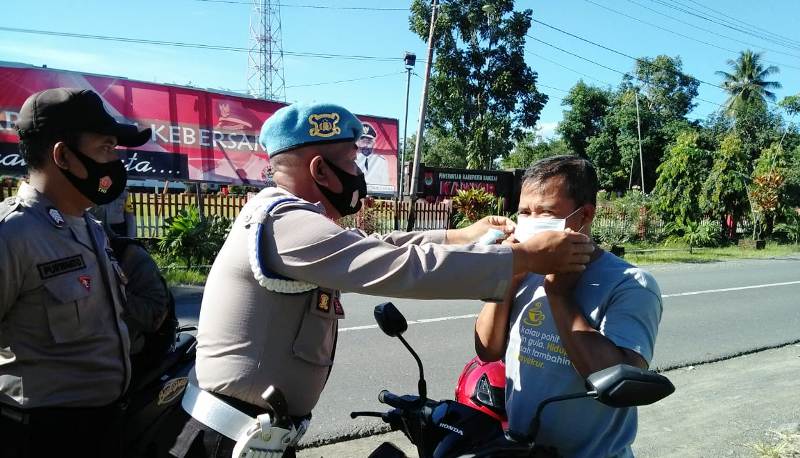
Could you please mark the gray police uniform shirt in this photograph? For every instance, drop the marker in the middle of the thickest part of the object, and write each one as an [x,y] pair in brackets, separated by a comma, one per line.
[250,337]
[62,340]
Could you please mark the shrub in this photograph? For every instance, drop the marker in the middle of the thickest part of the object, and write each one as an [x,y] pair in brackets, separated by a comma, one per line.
[191,239]
[473,204]
[706,233]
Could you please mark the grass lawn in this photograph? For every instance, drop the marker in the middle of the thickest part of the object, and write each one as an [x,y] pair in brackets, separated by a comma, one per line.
[644,254]
[176,277]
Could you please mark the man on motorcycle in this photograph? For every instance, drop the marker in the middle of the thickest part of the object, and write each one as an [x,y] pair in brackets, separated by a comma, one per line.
[554,330]
[272,300]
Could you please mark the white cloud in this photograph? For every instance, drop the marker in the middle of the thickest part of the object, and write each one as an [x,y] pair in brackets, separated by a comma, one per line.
[546,130]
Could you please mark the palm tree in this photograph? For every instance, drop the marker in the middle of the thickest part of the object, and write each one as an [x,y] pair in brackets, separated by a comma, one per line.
[747,84]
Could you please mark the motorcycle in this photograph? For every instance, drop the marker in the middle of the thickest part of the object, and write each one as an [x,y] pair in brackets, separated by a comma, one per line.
[446,428]
[155,393]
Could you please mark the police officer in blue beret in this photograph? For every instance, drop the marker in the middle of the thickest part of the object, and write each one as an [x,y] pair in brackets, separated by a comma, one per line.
[272,302]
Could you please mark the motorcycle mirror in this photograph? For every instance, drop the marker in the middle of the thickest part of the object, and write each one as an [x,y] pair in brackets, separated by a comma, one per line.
[627,386]
[390,320]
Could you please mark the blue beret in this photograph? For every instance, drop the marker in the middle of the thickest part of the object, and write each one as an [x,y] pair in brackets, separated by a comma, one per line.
[303,124]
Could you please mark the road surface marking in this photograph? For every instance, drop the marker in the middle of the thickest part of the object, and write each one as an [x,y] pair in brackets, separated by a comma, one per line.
[475,315]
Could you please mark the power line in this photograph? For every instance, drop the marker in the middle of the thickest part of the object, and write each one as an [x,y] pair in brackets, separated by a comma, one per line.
[553,88]
[568,68]
[677,33]
[317,7]
[615,51]
[347,80]
[723,23]
[194,45]
[620,71]
[711,31]
[753,26]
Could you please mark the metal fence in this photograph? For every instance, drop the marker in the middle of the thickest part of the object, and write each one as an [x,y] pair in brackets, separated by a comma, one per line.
[7,189]
[153,210]
[620,225]
[378,216]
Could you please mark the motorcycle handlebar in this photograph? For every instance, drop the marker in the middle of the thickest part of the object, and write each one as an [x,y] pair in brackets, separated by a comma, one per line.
[398,402]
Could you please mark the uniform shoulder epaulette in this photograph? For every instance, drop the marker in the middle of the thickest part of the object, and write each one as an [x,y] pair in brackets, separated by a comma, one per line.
[266,278]
[7,207]
[272,206]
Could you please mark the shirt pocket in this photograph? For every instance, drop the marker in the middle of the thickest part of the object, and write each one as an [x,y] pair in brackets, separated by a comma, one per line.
[316,339]
[68,316]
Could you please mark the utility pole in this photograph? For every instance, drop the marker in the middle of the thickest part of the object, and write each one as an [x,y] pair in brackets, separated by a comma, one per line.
[423,104]
[410,59]
[639,132]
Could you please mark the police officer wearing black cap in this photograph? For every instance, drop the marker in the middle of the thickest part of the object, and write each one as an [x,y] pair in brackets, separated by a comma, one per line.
[64,347]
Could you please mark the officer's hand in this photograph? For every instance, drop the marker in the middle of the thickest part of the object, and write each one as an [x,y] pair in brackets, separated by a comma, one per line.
[553,252]
[474,231]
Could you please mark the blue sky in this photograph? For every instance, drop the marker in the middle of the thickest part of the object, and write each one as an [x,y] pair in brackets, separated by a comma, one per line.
[386,34]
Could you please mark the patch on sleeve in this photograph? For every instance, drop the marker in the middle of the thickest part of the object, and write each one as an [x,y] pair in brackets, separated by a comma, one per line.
[61,266]
[337,304]
[324,302]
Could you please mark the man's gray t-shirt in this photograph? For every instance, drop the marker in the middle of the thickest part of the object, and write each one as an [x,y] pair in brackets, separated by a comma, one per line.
[623,302]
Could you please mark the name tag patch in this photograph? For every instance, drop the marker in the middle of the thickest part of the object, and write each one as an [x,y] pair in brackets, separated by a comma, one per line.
[60,266]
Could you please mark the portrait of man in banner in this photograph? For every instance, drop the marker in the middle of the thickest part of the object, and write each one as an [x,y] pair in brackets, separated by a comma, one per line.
[374,166]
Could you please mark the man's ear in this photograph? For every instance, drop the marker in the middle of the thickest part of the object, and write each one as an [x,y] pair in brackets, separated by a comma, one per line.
[589,211]
[59,155]
[320,171]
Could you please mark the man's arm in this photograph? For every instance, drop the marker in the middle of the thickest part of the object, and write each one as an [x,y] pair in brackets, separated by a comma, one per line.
[10,278]
[307,246]
[491,327]
[589,349]
[148,297]
[463,236]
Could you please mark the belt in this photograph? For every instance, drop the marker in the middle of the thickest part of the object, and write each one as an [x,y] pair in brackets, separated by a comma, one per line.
[215,413]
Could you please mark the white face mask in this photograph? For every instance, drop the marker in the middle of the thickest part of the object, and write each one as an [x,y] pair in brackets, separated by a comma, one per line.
[528,226]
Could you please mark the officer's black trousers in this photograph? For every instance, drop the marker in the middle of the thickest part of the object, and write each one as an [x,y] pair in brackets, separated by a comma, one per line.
[43,432]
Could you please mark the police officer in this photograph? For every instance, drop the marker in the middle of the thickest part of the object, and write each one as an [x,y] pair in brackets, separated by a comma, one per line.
[272,301]
[63,345]
[374,166]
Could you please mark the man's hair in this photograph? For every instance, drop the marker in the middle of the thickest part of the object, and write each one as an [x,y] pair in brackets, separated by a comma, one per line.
[578,173]
[35,148]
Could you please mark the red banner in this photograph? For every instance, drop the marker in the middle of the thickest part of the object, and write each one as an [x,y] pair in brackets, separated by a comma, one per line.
[197,135]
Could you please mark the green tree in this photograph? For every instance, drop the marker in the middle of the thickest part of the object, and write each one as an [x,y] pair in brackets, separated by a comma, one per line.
[667,91]
[747,83]
[588,105]
[791,104]
[531,149]
[771,174]
[439,150]
[681,177]
[725,189]
[481,90]
[665,95]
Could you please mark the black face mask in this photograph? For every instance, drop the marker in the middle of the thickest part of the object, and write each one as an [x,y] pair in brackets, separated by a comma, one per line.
[354,188]
[105,181]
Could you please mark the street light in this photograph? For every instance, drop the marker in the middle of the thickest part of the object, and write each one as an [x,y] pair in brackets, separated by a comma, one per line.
[410,59]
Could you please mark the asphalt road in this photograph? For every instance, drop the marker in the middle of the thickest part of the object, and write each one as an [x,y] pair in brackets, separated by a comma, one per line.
[711,311]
